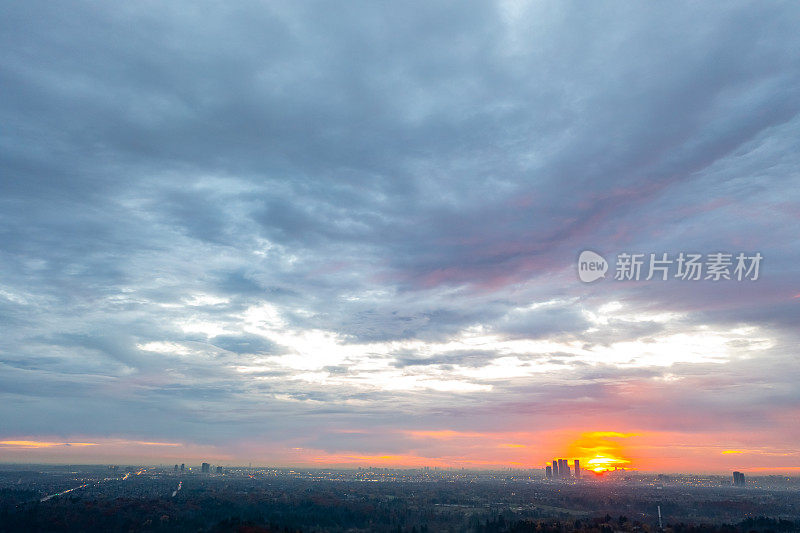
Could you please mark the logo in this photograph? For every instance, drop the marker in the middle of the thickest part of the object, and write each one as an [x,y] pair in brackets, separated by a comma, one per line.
[591,266]
[683,266]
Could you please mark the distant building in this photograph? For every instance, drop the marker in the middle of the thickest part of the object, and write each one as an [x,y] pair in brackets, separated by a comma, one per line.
[205,468]
[548,472]
[738,479]
[219,470]
[555,469]
[183,467]
[176,468]
[563,469]
[577,469]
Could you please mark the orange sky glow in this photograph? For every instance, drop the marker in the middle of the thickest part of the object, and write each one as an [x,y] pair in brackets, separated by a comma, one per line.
[597,451]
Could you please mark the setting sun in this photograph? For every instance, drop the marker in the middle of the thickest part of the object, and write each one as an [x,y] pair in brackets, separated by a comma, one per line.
[601,451]
[601,463]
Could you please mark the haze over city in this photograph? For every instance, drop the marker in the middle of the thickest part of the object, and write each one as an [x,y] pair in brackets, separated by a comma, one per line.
[324,235]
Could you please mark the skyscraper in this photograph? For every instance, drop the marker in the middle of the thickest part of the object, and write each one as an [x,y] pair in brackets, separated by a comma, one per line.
[176,468]
[183,467]
[563,469]
[205,468]
[577,469]
[555,469]
[738,479]
[548,472]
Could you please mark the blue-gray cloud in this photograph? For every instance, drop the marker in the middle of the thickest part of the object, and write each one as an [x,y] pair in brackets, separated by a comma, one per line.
[189,193]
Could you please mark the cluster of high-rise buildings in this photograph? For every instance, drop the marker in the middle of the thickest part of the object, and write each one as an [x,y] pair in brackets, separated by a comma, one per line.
[205,468]
[560,469]
[738,479]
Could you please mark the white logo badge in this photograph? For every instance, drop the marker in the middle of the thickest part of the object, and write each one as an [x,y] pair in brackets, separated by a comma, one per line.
[591,266]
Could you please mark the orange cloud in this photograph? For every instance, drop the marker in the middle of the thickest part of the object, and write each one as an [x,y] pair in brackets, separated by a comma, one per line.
[107,442]
[42,444]
[445,434]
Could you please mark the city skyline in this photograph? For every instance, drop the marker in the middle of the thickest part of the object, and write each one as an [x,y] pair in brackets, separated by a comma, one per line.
[593,466]
[314,234]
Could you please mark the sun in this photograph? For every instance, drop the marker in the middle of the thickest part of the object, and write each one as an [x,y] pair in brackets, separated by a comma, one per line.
[601,451]
[600,463]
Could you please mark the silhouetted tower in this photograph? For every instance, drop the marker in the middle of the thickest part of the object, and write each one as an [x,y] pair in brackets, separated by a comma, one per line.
[176,468]
[205,468]
[577,469]
[555,469]
[738,479]
[183,467]
[563,469]
[548,472]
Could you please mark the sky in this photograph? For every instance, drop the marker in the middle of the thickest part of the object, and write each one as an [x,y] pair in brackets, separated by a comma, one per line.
[346,234]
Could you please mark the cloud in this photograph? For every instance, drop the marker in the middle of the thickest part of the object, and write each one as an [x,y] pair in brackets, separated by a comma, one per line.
[41,444]
[262,223]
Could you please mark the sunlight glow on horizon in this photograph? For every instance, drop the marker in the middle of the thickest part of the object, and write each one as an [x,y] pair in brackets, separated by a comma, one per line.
[598,451]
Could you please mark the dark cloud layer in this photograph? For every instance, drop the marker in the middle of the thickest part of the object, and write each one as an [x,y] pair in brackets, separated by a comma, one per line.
[221,223]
